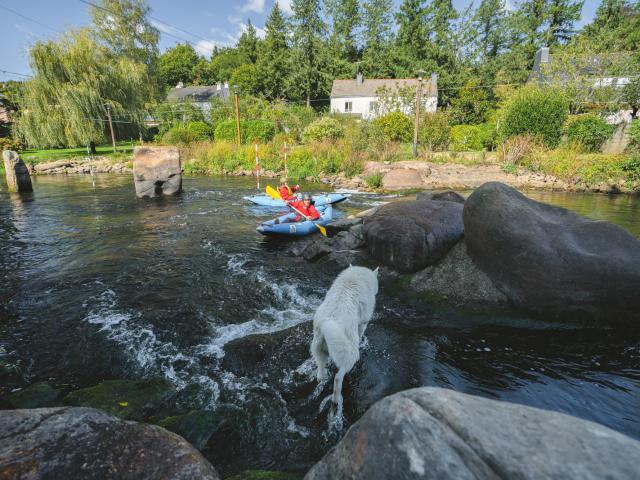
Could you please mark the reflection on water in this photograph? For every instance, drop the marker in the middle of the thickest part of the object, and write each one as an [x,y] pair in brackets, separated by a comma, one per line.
[97,284]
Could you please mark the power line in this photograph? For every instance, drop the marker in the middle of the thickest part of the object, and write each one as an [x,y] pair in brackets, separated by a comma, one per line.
[16,73]
[86,2]
[29,18]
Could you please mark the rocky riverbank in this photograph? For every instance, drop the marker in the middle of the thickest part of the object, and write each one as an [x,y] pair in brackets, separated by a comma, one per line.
[405,175]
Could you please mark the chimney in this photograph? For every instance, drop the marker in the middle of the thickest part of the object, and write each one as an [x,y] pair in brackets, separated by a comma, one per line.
[359,79]
[542,57]
[180,85]
[433,85]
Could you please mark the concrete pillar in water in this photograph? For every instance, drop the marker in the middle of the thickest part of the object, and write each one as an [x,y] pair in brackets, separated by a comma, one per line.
[157,171]
[18,179]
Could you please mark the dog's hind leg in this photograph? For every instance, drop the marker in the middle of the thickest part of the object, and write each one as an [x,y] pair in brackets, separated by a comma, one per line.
[337,386]
[320,354]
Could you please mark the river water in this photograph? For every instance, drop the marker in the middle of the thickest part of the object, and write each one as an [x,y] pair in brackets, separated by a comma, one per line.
[96,284]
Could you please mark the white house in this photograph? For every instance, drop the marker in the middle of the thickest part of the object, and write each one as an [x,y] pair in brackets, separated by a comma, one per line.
[200,96]
[360,96]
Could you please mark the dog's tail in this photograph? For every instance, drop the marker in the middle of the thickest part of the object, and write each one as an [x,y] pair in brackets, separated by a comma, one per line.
[343,349]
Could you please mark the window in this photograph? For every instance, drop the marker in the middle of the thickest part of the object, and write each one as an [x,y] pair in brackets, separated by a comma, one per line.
[373,106]
[348,107]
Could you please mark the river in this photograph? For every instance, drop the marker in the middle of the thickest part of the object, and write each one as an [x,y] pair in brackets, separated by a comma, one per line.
[97,284]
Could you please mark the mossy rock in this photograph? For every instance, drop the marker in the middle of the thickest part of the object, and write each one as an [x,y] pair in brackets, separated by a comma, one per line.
[266,475]
[196,426]
[127,399]
[38,395]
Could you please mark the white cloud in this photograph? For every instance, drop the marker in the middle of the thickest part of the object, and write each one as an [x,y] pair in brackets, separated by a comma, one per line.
[205,47]
[285,5]
[253,6]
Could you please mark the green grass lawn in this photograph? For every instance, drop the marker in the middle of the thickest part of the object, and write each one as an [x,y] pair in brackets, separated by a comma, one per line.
[49,155]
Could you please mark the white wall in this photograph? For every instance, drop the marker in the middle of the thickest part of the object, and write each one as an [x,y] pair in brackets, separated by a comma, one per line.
[361,105]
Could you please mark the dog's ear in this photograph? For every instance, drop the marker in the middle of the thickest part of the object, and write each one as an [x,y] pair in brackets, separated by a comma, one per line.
[375,272]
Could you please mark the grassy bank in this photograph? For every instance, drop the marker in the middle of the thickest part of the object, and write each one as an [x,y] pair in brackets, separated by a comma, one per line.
[123,149]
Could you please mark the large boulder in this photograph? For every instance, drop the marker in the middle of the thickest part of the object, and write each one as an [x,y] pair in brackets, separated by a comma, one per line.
[37,395]
[17,173]
[157,171]
[411,235]
[445,195]
[433,433]
[403,178]
[459,281]
[84,443]
[550,261]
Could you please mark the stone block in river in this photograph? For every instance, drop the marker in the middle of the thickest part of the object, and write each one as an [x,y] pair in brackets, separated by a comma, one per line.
[550,261]
[85,443]
[434,433]
[17,173]
[157,171]
[411,235]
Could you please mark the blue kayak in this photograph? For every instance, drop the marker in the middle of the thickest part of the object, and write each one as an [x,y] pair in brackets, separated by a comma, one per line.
[267,201]
[297,229]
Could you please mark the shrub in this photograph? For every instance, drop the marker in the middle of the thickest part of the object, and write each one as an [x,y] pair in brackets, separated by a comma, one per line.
[434,131]
[395,126]
[535,111]
[468,138]
[250,131]
[590,131]
[9,143]
[631,167]
[634,134]
[515,149]
[325,128]
[191,132]
[374,180]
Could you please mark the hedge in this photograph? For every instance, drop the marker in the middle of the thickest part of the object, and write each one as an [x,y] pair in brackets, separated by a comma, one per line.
[260,131]
[590,131]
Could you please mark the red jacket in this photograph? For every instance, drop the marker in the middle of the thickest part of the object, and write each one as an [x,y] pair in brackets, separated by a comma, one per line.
[307,212]
[287,192]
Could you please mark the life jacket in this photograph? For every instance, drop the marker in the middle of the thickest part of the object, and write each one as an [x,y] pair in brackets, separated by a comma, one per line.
[285,192]
[306,211]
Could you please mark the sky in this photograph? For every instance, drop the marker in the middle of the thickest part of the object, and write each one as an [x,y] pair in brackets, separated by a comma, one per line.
[204,23]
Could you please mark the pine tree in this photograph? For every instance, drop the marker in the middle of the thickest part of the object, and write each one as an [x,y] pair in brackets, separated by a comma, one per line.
[439,17]
[377,37]
[248,43]
[488,26]
[308,33]
[616,26]
[412,36]
[562,16]
[345,16]
[273,64]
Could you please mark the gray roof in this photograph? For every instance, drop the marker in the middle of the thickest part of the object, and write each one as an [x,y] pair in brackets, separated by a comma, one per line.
[198,94]
[369,86]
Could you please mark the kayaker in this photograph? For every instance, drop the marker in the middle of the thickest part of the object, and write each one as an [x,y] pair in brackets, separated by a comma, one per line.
[304,210]
[287,192]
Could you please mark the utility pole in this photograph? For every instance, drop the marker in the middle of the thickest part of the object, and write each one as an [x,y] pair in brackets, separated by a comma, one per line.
[286,170]
[416,124]
[257,168]
[113,137]
[235,91]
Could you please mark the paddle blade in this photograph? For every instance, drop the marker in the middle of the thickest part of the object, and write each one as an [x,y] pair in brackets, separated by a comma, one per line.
[273,193]
[323,230]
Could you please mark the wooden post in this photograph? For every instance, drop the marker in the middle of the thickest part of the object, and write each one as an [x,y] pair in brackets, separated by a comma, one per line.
[417,119]
[237,118]
[257,168]
[286,170]
[113,137]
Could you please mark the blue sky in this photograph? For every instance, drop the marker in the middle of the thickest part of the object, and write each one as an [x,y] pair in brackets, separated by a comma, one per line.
[209,23]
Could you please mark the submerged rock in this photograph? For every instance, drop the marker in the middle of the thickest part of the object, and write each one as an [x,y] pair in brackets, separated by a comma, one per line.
[433,433]
[551,261]
[196,427]
[157,171]
[127,399]
[458,280]
[38,395]
[411,235]
[84,443]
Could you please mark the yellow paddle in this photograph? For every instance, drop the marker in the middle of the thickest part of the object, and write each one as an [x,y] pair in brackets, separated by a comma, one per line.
[273,193]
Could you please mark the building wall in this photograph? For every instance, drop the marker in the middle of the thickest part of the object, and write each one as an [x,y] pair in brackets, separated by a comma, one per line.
[362,105]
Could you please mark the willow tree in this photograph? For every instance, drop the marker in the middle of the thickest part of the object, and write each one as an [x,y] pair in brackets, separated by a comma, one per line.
[75,82]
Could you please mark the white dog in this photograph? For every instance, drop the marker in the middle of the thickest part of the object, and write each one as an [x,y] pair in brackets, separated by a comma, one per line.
[340,322]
